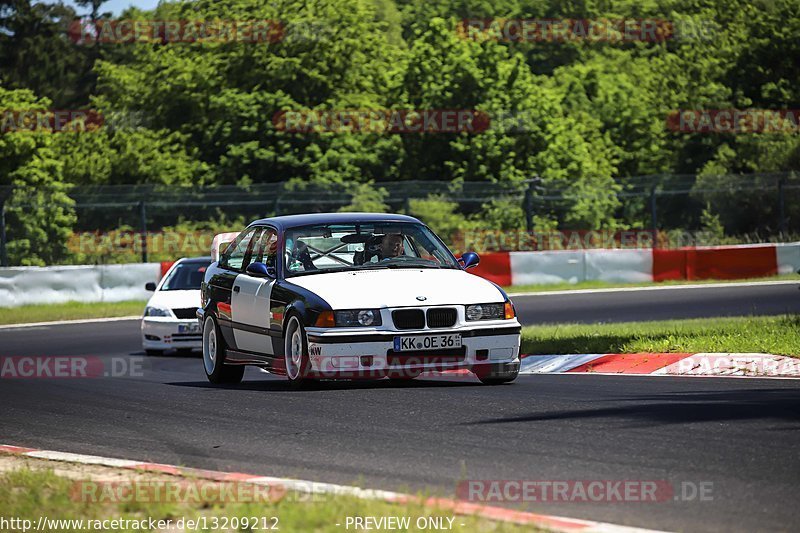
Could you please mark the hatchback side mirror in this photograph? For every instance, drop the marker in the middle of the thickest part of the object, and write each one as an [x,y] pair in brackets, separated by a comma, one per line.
[469,260]
[260,270]
[149,286]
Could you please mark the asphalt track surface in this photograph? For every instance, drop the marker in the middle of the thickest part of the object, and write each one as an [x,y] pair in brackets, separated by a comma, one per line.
[662,304]
[740,435]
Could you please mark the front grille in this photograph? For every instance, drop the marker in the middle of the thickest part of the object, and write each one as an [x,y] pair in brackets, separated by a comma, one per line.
[426,358]
[441,317]
[187,312]
[408,319]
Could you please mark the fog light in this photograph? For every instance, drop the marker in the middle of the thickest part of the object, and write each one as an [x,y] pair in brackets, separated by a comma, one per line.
[501,353]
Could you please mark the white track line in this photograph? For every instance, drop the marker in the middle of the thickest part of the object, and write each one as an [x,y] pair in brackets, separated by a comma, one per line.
[548,522]
[69,322]
[83,459]
[656,288]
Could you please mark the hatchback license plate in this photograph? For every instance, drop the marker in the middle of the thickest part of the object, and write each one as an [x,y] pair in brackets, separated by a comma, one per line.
[427,342]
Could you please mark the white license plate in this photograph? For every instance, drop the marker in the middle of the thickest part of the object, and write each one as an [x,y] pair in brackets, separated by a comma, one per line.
[427,342]
[188,328]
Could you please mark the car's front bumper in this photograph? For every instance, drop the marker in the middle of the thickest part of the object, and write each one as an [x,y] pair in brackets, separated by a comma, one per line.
[164,333]
[487,350]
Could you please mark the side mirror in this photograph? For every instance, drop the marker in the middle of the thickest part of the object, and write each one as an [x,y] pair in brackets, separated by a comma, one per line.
[149,286]
[469,260]
[260,270]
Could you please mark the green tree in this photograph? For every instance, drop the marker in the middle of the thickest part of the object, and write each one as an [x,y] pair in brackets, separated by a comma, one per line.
[39,214]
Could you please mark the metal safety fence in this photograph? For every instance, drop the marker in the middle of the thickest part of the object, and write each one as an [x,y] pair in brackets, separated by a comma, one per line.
[734,208]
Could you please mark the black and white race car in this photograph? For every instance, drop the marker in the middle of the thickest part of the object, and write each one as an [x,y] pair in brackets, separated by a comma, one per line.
[352,295]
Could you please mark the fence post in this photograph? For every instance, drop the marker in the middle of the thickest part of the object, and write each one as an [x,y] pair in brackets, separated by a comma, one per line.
[533,184]
[653,210]
[143,215]
[3,255]
[782,229]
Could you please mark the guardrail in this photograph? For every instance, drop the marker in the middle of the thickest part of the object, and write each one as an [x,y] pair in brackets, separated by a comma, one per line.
[80,283]
[114,283]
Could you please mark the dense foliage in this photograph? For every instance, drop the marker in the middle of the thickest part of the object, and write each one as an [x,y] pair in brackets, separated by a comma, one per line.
[588,117]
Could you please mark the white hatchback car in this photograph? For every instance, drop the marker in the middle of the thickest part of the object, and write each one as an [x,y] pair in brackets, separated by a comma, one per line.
[169,320]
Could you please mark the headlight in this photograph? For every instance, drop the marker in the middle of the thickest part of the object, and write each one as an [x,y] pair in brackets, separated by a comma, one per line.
[358,317]
[485,312]
[155,311]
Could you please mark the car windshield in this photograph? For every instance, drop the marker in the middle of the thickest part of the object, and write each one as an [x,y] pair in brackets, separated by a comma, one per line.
[186,276]
[357,246]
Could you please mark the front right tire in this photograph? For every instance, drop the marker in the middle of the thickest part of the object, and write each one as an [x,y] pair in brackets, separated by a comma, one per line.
[217,371]
[497,381]
[496,374]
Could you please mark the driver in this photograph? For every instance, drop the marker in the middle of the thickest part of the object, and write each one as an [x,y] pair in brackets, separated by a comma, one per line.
[269,251]
[391,245]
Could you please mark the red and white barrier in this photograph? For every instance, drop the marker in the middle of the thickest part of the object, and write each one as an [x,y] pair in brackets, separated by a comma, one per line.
[788,257]
[638,265]
[114,283]
[666,364]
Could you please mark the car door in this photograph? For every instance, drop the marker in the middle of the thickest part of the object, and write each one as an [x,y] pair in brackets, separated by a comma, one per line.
[224,276]
[250,301]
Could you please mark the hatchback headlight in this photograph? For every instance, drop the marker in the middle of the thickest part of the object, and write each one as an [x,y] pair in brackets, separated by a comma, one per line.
[155,311]
[485,312]
[358,317]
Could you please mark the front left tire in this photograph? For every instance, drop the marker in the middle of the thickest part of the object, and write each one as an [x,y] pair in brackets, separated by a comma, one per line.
[295,350]
[214,347]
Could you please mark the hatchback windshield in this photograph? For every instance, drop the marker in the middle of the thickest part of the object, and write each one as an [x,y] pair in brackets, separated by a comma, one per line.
[336,247]
[186,276]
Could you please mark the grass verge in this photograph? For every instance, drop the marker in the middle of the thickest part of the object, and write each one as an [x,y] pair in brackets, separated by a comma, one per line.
[605,285]
[29,494]
[69,311]
[777,335]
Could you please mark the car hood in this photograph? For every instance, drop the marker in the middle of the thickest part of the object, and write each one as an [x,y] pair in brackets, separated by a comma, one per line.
[399,288]
[175,299]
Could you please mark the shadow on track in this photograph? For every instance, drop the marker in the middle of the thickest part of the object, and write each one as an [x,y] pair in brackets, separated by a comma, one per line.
[683,408]
[280,385]
[186,353]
